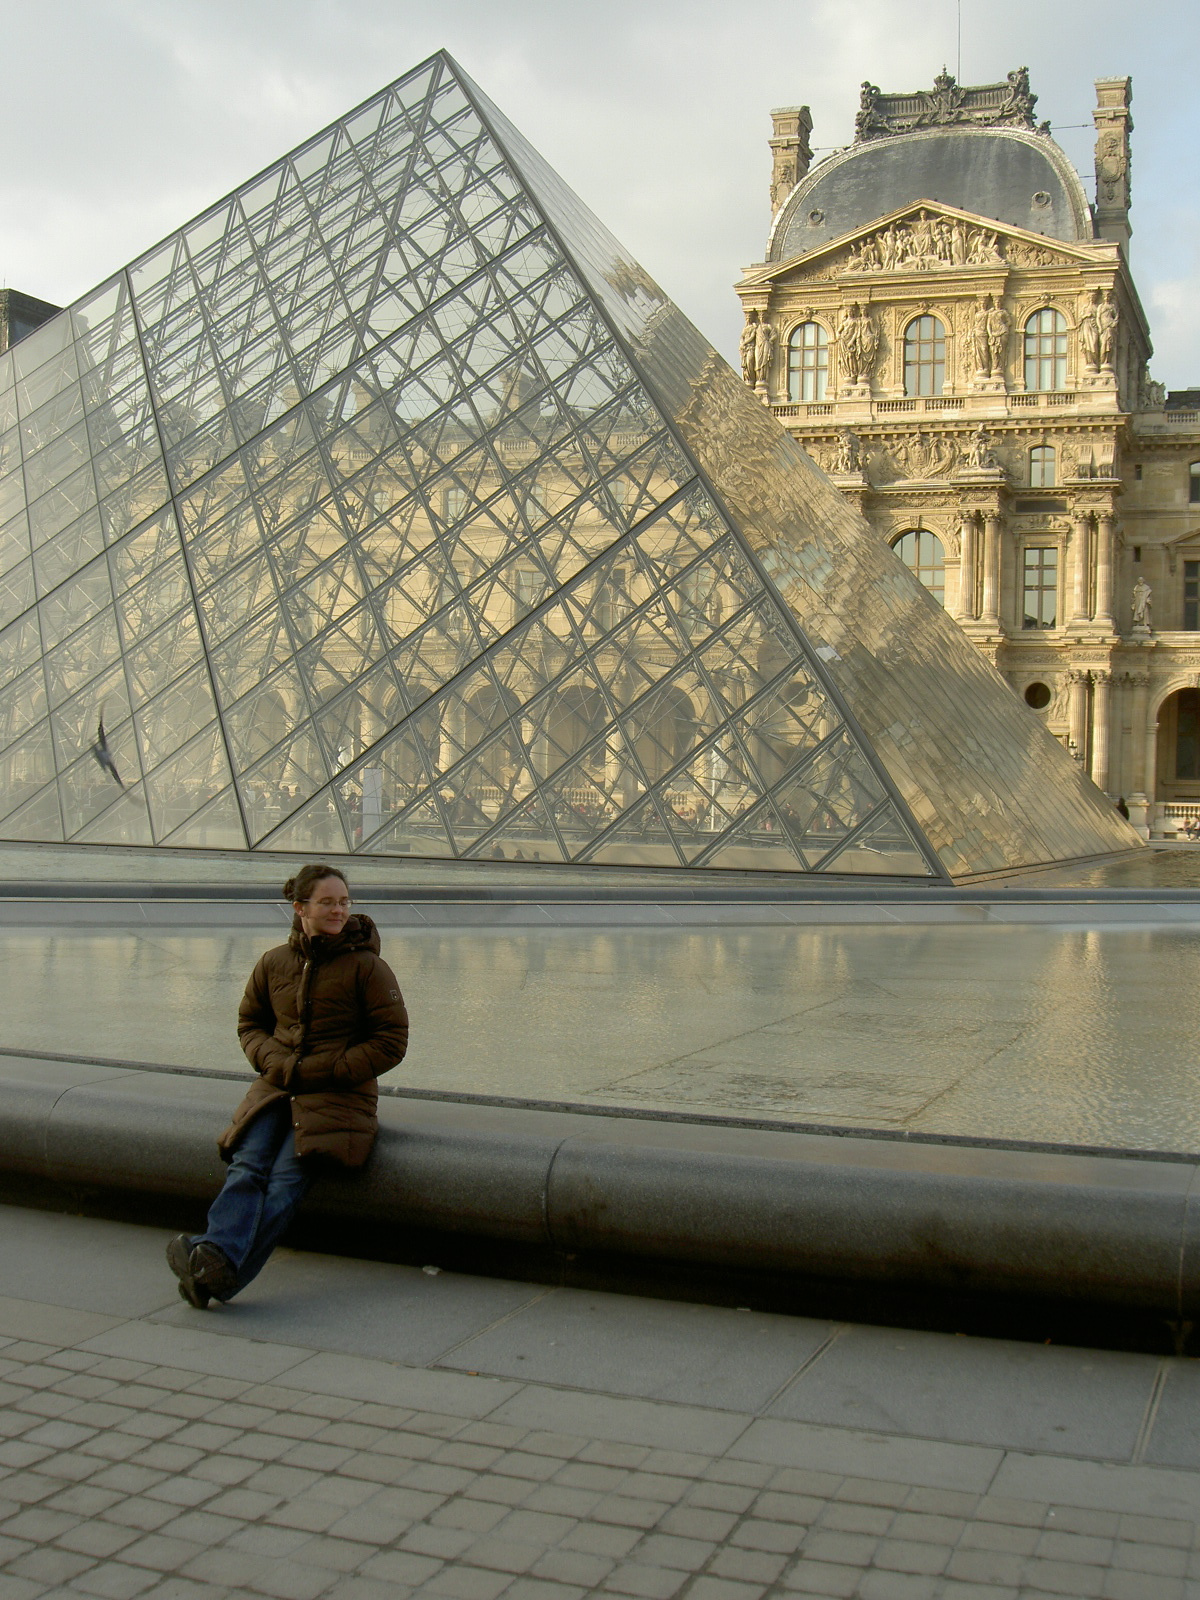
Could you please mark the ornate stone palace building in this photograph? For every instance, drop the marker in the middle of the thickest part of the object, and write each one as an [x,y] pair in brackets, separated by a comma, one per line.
[952,331]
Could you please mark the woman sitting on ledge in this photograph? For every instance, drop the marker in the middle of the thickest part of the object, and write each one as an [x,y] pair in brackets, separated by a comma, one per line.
[321,1019]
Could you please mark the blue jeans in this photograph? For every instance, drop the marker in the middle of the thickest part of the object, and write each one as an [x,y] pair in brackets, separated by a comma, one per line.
[264,1185]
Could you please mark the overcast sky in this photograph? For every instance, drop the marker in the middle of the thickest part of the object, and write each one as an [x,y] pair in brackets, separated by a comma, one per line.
[123,118]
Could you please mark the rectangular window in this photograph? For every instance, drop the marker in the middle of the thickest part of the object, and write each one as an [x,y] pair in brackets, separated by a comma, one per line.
[1194,483]
[1191,595]
[1040,605]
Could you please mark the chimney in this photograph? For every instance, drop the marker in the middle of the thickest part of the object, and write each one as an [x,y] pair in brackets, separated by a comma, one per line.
[1114,124]
[790,152]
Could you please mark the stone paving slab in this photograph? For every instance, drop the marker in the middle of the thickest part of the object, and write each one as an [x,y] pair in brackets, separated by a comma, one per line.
[170,1457]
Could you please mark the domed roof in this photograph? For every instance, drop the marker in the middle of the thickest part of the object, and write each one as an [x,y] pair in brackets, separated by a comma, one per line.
[1005,174]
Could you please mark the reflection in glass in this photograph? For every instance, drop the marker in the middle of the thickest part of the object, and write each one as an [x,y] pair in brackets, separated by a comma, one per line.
[348,513]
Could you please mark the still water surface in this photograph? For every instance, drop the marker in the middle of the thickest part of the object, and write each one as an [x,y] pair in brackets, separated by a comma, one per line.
[1084,1035]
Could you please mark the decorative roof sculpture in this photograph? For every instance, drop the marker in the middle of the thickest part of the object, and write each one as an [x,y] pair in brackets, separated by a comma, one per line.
[391,507]
[948,104]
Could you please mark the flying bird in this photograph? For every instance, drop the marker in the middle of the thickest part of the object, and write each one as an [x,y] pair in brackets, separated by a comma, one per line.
[103,754]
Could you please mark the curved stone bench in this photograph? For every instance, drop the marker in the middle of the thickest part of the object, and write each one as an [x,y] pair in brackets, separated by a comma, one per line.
[1114,1230]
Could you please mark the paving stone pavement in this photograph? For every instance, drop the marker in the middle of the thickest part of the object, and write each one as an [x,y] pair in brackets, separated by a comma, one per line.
[155,1454]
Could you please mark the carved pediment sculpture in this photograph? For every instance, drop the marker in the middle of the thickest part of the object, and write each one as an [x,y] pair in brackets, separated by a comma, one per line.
[926,243]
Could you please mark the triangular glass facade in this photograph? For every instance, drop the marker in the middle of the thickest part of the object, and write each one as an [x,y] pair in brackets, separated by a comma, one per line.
[350,519]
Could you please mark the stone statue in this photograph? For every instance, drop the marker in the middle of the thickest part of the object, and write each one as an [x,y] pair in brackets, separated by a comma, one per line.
[859,340]
[868,345]
[746,348]
[979,453]
[1107,318]
[1018,103]
[764,347]
[979,338]
[869,122]
[1151,396]
[1141,606]
[1088,334]
[849,452]
[998,325]
[984,249]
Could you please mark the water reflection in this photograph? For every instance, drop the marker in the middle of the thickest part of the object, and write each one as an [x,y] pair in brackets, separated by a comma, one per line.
[1081,1035]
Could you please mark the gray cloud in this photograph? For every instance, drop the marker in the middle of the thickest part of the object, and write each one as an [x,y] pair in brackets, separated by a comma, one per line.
[132,115]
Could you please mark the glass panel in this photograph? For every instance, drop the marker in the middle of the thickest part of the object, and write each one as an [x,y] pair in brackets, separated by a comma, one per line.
[22,703]
[182,785]
[465,593]
[218,826]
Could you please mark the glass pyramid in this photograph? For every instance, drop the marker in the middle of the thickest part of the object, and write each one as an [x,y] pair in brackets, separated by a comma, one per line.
[389,507]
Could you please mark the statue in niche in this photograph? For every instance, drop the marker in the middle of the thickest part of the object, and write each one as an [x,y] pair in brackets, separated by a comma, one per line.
[1141,606]
[860,344]
[998,325]
[849,452]
[1060,706]
[979,337]
[746,348]
[1088,334]
[764,348]
[1107,318]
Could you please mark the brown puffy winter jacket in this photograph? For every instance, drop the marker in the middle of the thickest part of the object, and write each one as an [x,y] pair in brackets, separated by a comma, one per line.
[320,1020]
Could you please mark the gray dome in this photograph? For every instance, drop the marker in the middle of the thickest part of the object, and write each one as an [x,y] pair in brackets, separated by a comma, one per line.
[1015,177]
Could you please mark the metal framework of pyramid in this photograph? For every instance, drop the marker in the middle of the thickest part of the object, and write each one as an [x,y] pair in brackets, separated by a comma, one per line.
[390,508]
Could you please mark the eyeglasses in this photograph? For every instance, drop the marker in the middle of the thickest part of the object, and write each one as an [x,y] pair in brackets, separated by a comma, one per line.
[331,905]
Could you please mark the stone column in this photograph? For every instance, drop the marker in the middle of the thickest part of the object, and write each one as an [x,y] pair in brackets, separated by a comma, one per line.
[1138,802]
[1078,681]
[1101,716]
[991,568]
[1081,556]
[1151,769]
[966,570]
[1105,523]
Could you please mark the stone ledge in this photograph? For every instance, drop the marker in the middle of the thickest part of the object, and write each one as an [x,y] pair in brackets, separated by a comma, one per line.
[1088,1229]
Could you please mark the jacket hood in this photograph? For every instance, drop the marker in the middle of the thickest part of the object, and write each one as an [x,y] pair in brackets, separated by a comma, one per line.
[360,933]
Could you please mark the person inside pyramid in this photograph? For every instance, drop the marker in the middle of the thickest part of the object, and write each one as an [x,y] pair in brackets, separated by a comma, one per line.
[322,1017]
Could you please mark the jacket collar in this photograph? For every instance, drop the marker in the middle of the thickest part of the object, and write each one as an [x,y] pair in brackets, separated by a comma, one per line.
[360,933]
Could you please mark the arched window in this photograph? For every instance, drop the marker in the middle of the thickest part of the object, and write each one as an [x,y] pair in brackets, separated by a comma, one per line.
[924,356]
[921,552]
[1046,350]
[1041,466]
[808,362]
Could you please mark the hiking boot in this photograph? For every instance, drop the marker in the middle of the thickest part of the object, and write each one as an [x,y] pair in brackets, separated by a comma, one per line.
[179,1260]
[212,1272]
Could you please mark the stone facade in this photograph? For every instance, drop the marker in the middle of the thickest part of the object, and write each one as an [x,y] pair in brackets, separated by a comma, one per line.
[974,376]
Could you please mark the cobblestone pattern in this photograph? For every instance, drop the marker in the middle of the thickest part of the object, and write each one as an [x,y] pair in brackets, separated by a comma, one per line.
[122,1480]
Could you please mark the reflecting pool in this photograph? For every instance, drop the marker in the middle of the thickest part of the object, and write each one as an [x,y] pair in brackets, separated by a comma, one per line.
[1077,1034]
